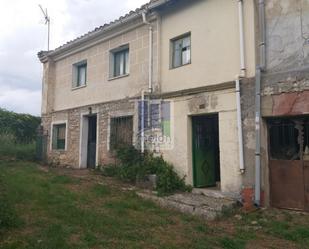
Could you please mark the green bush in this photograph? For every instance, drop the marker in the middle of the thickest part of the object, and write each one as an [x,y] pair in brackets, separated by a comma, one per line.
[110,170]
[17,135]
[22,126]
[133,166]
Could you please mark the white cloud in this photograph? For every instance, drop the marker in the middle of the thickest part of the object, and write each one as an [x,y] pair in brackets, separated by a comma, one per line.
[20,100]
[23,34]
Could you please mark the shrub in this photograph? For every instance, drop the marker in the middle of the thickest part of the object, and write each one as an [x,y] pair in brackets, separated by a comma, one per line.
[133,166]
[110,170]
[21,126]
[168,181]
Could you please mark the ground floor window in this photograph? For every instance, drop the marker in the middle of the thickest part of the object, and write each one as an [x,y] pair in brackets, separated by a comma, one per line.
[59,136]
[121,131]
[289,138]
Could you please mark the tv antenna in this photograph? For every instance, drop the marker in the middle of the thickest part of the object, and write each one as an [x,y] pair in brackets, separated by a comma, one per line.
[47,21]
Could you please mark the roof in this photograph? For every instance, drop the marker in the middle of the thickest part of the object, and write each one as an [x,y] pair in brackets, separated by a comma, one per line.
[152,4]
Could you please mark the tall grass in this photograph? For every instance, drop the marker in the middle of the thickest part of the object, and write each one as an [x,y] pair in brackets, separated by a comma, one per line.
[9,147]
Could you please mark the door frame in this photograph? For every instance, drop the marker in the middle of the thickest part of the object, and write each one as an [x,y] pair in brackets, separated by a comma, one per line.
[192,145]
[83,140]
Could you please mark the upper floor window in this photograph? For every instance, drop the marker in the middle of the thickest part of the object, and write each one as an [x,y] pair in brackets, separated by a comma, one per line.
[181,50]
[79,74]
[119,62]
[59,136]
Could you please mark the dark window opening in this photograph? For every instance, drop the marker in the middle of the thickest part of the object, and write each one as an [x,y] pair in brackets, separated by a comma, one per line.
[121,132]
[284,141]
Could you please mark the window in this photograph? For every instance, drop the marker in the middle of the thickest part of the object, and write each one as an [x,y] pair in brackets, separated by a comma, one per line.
[79,74]
[181,51]
[284,139]
[120,62]
[59,134]
[121,131]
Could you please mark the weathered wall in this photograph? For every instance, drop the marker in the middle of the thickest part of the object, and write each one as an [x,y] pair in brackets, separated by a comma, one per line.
[287,48]
[287,34]
[285,81]
[248,119]
[214,28]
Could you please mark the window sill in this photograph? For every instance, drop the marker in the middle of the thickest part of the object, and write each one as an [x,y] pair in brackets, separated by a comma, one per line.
[78,87]
[171,68]
[59,150]
[118,77]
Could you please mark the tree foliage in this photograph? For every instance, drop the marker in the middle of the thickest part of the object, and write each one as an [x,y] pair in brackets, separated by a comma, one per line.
[22,127]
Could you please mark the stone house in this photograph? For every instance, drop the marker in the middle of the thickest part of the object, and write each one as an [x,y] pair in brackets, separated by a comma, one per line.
[190,68]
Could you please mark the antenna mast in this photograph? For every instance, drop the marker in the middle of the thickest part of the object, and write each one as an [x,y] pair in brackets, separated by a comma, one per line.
[47,21]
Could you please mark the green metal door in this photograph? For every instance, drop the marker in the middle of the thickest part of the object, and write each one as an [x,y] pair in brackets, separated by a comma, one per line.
[205,150]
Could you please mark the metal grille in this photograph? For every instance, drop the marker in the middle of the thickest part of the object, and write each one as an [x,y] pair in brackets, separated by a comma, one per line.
[284,144]
[121,131]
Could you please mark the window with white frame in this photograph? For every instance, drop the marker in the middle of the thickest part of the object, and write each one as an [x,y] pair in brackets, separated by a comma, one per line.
[80,74]
[119,62]
[181,51]
[59,136]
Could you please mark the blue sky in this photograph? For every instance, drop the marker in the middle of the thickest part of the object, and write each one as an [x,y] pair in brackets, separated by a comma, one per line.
[23,34]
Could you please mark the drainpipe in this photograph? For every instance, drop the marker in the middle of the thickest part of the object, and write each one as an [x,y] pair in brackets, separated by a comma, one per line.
[150,51]
[237,83]
[239,125]
[143,122]
[150,88]
[259,70]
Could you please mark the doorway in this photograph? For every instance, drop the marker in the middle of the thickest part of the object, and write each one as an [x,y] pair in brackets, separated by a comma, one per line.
[92,142]
[88,142]
[205,150]
[289,162]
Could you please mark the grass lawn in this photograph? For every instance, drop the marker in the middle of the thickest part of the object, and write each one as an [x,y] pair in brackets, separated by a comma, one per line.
[58,209]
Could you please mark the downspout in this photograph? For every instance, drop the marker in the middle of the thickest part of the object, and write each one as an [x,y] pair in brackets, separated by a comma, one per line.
[237,84]
[241,38]
[260,68]
[239,125]
[143,122]
[150,51]
[150,88]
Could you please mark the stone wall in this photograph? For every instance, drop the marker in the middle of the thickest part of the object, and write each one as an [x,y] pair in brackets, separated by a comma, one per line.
[248,118]
[71,156]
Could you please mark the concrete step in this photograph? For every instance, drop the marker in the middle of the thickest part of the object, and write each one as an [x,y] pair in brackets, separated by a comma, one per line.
[190,203]
[215,193]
